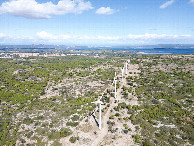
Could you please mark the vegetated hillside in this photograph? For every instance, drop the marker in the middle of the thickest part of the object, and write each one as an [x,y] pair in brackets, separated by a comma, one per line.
[48,100]
[165,91]
[44,99]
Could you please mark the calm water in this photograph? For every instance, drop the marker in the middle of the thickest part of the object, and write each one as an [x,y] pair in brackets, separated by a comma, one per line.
[162,51]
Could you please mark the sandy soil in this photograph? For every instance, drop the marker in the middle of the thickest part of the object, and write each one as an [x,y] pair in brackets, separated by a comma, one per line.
[88,131]
[106,138]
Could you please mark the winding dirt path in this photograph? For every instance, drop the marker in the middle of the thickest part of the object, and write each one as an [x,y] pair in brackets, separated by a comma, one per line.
[104,130]
[102,134]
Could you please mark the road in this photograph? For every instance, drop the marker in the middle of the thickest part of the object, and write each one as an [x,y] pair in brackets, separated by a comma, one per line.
[104,130]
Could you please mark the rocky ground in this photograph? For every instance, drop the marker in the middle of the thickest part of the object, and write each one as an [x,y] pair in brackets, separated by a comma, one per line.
[88,132]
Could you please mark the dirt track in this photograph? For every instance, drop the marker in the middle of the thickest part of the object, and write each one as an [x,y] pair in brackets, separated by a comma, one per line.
[104,130]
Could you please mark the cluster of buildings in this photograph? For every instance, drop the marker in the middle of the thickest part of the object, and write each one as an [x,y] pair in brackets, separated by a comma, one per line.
[11,55]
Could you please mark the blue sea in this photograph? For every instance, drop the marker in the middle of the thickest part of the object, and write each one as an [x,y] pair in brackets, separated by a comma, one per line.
[160,50]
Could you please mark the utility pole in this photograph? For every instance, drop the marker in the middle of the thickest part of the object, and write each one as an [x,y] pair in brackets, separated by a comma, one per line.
[115,81]
[99,122]
[122,73]
[126,67]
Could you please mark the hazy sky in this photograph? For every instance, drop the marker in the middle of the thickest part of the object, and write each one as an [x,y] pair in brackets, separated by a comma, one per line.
[96,22]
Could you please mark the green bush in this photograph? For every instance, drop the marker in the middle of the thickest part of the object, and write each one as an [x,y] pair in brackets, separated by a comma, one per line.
[73,139]
[111,117]
[72,124]
[22,140]
[75,118]
[28,121]
[146,143]
[110,123]
[129,129]
[117,114]
[125,131]
[65,132]
[136,137]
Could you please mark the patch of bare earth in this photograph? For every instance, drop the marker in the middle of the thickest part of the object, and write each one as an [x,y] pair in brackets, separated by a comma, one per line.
[105,137]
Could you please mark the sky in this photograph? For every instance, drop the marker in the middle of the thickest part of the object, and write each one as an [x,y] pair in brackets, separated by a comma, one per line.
[96,22]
